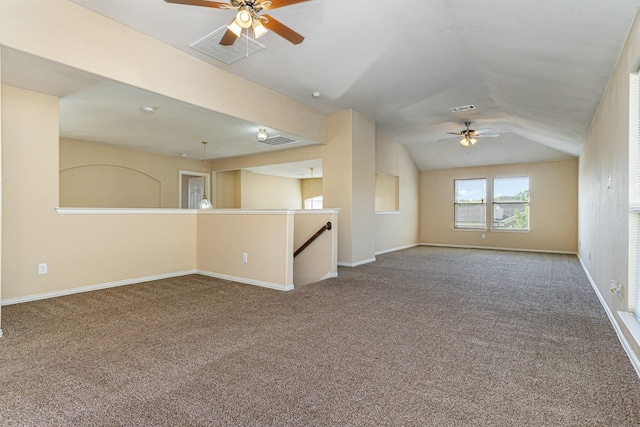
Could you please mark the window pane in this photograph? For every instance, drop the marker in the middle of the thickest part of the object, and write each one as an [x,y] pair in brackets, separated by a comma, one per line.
[470,209]
[313,203]
[511,203]
[470,215]
[511,189]
[471,190]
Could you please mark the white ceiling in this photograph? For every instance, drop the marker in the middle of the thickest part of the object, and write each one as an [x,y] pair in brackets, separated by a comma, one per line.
[535,70]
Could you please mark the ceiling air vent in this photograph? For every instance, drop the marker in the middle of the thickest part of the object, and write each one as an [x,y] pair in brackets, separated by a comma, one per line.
[210,45]
[463,108]
[279,140]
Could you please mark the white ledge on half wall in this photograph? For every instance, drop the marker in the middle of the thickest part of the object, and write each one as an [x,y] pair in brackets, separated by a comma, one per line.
[170,211]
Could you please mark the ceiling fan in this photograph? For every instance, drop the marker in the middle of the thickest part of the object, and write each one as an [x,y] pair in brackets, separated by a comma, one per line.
[247,16]
[469,136]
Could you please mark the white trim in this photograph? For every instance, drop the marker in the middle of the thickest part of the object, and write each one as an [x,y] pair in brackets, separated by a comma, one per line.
[247,281]
[386,251]
[171,211]
[124,211]
[329,275]
[544,251]
[247,212]
[1,333]
[95,287]
[356,264]
[317,211]
[625,344]
[387,212]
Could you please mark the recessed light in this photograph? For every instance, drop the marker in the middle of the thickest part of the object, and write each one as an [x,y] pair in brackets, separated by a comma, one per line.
[183,154]
[315,94]
[148,109]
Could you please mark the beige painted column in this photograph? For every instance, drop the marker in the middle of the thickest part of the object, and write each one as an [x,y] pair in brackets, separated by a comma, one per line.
[349,184]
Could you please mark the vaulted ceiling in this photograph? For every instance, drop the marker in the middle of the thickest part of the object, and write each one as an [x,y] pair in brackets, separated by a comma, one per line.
[534,70]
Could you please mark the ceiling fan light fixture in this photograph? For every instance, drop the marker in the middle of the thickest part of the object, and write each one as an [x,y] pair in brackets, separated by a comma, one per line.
[467,141]
[259,30]
[244,18]
[235,28]
[262,135]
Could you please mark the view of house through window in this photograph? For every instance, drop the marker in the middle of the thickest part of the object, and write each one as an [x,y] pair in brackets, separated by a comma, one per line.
[509,209]
[470,209]
[511,203]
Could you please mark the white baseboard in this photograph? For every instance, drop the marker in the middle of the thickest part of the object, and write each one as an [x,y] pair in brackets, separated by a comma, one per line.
[269,285]
[329,275]
[616,326]
[355,264]
[386,251]
[544,251]
[94,287]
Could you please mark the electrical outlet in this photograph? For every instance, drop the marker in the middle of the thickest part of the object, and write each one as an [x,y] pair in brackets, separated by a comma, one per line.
[484,236]
[616,288]
[42,268]
[245,257]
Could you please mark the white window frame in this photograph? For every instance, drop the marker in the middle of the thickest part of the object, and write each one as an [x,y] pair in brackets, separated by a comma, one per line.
[495,204]
[456,203]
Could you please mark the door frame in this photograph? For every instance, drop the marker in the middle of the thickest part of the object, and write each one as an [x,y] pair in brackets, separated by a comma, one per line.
[207,184]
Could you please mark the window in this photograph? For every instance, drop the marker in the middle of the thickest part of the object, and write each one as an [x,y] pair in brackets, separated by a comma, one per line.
[510,208]
[470,209]
[313,203]
[634,194]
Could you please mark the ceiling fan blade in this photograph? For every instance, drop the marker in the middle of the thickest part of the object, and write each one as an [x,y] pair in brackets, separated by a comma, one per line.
[447,139]
[481,131]
[280,3]
[228,38]
[454,133]
[281,29]
[488,135]
[205,3]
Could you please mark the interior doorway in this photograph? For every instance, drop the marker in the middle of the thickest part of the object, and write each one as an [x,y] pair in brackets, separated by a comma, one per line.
[192,187]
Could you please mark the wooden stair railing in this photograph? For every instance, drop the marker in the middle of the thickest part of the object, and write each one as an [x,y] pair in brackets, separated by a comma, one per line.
[327,226]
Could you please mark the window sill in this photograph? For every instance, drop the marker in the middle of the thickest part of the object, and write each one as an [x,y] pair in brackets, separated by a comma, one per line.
[482,230]
[632,324]
[505,230]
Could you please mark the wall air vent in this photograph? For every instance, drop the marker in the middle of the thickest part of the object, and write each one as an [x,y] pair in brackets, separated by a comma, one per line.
[279,140]
[463,108]
[210,46]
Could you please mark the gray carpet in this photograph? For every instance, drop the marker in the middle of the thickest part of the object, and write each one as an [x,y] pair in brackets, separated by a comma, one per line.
[424,336]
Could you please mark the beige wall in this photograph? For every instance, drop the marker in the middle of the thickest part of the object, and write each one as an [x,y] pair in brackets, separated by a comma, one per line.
[266,238]
[96,248]
[227,193]
[553,212]
[604,212]
[312,264]
[399,229]
[80,250]
[270,192]
[311,187]
[348,183]
[97,175]
[387,192]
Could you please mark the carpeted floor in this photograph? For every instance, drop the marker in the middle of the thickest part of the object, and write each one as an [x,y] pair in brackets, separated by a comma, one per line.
[422,337]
